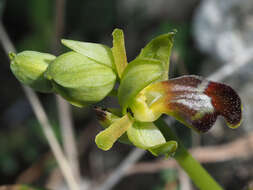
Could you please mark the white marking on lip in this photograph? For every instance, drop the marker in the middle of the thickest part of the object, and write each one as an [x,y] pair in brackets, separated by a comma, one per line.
[202,104]
[203,85]
[194,97]
[183,88]
[200,88]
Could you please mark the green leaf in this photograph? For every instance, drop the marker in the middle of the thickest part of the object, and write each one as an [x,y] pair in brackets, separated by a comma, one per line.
[145,135]
[138,74]
[110,135]
[98,52]
[159,48]
[119,51]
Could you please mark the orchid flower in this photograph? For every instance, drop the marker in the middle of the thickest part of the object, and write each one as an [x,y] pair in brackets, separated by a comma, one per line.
[145,93]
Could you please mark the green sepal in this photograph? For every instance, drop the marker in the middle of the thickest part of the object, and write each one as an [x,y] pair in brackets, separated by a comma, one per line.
[138,74]
[145,135]
[79,79]
[29,68]
[160,48]
[166,149]
[119,51]
[110,135]
[98,52]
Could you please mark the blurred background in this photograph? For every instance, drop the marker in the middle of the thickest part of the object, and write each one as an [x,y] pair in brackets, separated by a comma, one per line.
[214,38]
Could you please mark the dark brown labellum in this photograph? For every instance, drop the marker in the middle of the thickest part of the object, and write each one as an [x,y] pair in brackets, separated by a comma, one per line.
[197,102]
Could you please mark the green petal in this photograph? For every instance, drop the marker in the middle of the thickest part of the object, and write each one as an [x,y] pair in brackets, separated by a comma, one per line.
[119,52]
[110,135]
[167,148]
[145,135]
[97,52]
[138,74]
[107,117]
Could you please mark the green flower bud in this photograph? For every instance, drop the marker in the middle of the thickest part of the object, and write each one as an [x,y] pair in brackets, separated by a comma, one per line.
[80,79]
[29,68]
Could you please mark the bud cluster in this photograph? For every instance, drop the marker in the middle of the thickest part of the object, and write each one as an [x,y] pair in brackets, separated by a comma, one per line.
[82,76]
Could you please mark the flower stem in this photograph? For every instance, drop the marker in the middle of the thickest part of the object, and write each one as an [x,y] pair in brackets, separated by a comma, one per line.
[191,166]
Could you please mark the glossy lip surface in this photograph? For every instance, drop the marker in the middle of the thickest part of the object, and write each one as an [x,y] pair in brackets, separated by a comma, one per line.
[197,102]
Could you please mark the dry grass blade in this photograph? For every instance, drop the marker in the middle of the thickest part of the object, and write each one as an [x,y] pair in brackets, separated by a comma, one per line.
[120,171]
[64,109]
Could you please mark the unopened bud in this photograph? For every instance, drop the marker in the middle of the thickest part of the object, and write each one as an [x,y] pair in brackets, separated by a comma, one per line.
[79,79]
[29,67]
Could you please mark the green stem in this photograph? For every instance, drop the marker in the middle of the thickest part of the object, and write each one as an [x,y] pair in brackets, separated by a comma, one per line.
[192,167]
